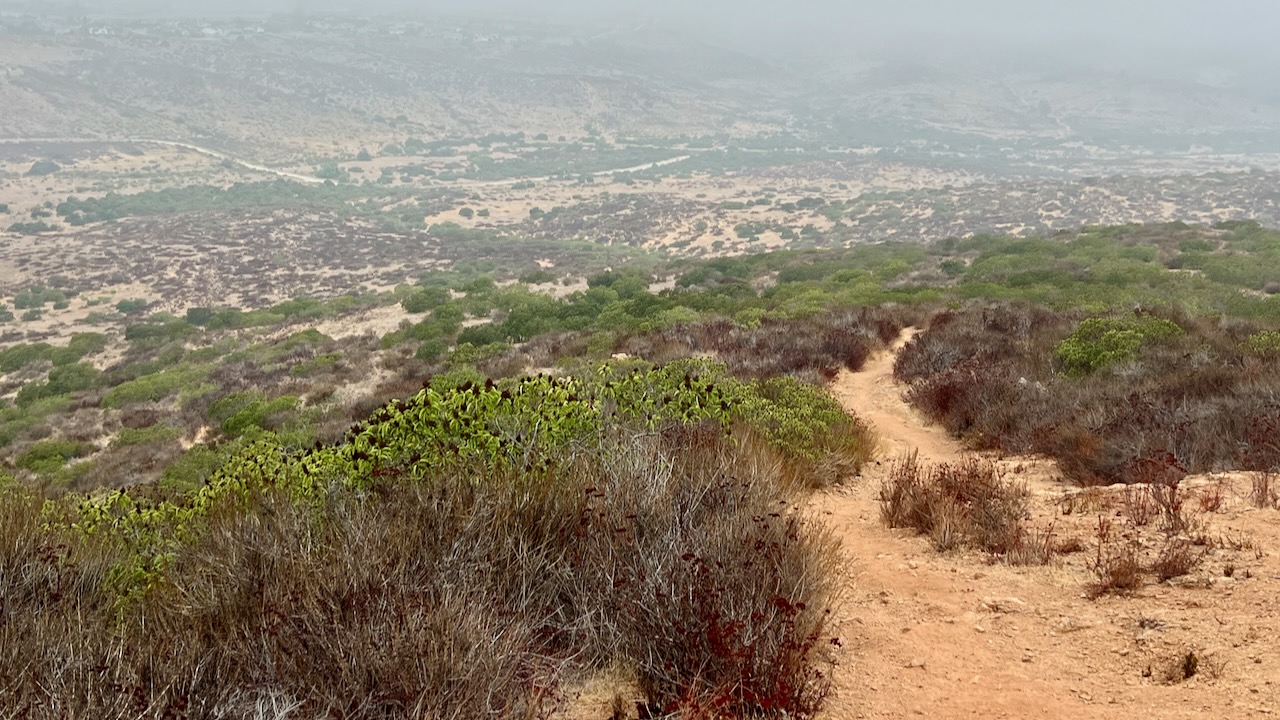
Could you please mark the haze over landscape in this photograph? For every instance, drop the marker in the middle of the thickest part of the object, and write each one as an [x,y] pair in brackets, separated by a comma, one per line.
[596,360]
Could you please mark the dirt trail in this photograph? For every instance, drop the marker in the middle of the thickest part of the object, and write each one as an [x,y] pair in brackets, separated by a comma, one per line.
[934,636]
[874,396]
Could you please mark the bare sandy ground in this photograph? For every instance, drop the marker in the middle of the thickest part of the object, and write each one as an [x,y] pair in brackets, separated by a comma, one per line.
[952,636]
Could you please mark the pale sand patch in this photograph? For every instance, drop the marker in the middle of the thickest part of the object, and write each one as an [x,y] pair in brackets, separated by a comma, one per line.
[378,321]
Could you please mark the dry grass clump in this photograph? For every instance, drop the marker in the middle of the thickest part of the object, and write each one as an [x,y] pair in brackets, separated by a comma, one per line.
[1160,481]
[1121,563]
[1264,491]
[676,557]
[966,504]
[1188,664]
[1117,564]
[1178,558]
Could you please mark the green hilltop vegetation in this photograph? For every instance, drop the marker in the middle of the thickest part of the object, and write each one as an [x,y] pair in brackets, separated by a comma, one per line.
[543,488]
[189,372]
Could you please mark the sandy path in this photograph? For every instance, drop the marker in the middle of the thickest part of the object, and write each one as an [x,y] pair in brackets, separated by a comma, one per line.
[900,610]
[874,396]
[934,636]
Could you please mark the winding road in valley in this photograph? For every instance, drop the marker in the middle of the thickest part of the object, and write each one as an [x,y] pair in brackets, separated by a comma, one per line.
[311,179]
[215,154]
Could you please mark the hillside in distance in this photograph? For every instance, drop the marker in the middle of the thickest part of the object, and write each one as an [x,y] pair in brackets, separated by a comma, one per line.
[294,85]
[280,87]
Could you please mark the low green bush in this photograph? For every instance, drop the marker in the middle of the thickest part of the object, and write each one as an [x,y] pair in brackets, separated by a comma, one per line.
[156,386]
[129,437]
[62,380]
[1264,344]
[1102,342]
[47,457]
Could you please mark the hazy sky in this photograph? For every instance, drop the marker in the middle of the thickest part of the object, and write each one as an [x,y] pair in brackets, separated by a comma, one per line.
[1121,28]
[1127,30]
[1218,20]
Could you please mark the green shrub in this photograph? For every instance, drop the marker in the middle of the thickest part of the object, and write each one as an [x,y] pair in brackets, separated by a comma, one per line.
[154,387]
[200,316]
[300,307]
[19,356]
[1264,344]
[47,457]
[62,381]
[157,333]
[537,277]
[332,171]
[132,307]
[40,168]
[82,344]
[129,437]
[796,417]
[425,299]
[15,424]
[314,366]
[32,228]
[244,412]
[468,354]
[431,350]
[1101,342]
[196,466]
[482,335]
[1243,271]
[953,267]
[1196,245]
[38,296]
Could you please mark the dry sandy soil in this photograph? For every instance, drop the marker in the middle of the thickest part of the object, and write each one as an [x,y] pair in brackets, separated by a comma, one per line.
[956,636]
[950,636]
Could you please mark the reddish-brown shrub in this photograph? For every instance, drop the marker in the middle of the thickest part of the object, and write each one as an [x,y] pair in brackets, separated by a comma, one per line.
[815,346]
[1177,558]
[986,373]
[1117,564]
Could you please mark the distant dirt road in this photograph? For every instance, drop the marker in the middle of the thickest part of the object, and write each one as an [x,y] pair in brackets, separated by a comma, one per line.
[216,154]
[599,173]
[219,155]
